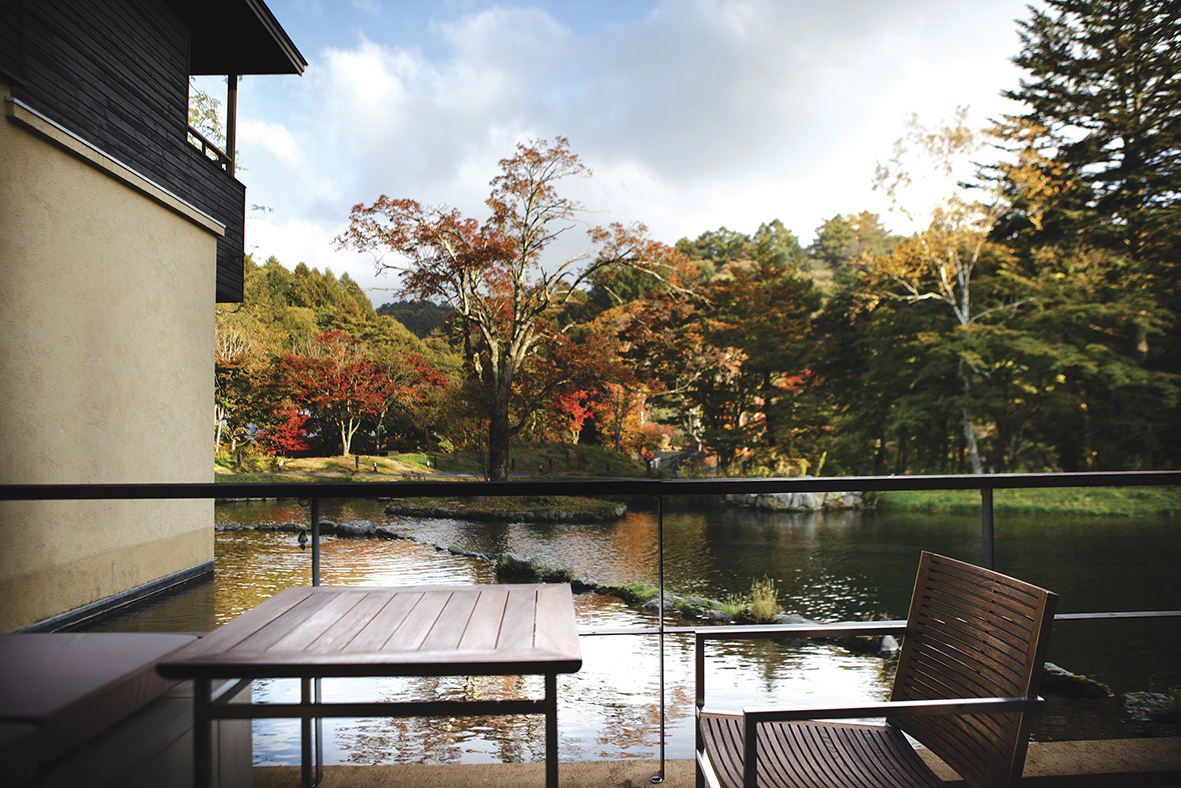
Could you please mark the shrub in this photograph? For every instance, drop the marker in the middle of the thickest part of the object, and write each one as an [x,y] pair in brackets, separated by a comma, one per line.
[764,601]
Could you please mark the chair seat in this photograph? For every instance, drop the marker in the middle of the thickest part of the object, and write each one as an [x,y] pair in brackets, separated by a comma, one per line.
[816,755]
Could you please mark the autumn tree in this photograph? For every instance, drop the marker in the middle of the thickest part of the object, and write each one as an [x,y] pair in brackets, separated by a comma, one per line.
[340,384]
[492,274]
[940,262]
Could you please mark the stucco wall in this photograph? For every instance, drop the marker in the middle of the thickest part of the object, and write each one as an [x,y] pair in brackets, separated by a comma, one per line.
[106,374]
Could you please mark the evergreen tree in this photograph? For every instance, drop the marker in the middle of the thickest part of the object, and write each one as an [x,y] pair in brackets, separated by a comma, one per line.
[1104,89]
[1098,206]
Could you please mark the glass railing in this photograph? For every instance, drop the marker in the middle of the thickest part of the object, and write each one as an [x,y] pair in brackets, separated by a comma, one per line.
[671,544]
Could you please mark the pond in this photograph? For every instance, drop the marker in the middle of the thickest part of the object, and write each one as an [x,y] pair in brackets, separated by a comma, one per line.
[827,567]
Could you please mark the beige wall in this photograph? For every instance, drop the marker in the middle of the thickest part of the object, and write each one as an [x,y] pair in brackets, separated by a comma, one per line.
[106,371]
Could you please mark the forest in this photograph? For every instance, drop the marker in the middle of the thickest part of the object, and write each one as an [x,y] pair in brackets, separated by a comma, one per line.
[1027,321]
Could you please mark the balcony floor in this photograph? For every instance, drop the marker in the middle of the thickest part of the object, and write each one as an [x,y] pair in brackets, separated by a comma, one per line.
[1124,762]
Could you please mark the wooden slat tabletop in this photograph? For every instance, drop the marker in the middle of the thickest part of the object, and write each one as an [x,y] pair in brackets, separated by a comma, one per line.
[392,631]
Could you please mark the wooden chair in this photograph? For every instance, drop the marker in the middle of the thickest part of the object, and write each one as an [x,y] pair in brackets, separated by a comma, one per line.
[968,675]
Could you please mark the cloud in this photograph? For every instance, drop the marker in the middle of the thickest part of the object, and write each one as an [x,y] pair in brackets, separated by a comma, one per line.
[694,114]
[273,138]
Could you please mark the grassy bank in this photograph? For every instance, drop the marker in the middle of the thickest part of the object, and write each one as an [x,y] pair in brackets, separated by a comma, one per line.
[1124,501]
[552,459]
[529,461]
[320,469]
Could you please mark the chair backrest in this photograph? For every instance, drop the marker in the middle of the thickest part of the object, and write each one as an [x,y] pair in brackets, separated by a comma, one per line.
[973,633]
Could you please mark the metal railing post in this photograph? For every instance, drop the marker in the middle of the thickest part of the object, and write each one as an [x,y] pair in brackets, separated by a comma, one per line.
[986,527]
[315,541]
[659,778]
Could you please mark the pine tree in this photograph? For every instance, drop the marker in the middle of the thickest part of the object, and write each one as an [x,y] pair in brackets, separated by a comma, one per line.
[1105,88]
[1100,208]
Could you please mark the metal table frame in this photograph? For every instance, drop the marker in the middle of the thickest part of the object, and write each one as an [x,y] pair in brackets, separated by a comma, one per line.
[209,664]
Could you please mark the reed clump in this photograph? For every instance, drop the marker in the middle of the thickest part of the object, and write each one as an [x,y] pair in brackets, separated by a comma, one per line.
[764,601]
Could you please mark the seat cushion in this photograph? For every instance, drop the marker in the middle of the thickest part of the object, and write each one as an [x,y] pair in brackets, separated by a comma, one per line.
[816,755]
[71,686]
[18,752]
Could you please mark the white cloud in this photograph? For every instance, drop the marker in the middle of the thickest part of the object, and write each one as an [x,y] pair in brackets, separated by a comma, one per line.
[697,114]
[273,138]
[294,241]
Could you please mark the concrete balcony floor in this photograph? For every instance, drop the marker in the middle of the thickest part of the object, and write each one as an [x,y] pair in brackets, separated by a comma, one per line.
[1123,763]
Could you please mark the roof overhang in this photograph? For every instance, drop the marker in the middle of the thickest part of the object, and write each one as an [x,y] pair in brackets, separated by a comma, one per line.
[240,37]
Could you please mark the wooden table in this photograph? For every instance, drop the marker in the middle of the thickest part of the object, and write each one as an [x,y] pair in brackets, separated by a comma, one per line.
[325,632]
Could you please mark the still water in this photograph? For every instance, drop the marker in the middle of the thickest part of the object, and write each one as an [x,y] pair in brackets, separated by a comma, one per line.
[827,567]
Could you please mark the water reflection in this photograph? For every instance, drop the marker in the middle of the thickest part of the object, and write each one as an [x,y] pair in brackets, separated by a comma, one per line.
[828,567]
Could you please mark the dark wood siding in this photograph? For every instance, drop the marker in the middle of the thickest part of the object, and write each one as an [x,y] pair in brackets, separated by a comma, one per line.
[115,72]
[10,40]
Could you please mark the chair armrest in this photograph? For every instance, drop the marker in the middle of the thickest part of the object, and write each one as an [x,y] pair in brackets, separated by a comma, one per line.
[907,708]
[706,770]
[782,631]
[771,632]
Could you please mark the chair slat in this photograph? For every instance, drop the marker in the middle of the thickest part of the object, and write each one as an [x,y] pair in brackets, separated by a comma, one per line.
[813,755]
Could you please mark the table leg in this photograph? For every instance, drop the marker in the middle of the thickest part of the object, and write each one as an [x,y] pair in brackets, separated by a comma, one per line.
[306,760]
[203,733]
[551,730]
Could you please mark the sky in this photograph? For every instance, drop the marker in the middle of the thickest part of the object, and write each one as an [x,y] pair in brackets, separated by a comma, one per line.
[691,114]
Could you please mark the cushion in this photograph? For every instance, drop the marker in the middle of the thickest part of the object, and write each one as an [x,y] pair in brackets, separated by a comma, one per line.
[18,751]
[72,686]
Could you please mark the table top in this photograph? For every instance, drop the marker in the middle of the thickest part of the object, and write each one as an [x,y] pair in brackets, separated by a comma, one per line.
[327,631]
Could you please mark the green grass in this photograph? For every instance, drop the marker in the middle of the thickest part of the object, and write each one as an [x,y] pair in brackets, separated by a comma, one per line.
[255,478]
[733,606]
[337,468]
[518,503]
[532,460]
[1125,501]
[551,459]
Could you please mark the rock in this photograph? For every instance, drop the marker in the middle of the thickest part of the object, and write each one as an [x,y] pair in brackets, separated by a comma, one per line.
[1057,681]
[672,602]
[515,565]
[1152,707]
[799,502]
[356,528]
[696,607]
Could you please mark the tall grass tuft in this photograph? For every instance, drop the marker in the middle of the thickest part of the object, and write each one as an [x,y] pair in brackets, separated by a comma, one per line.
[764,601]
[733,606]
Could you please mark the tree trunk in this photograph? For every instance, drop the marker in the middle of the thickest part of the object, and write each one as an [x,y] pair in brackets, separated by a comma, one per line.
[969,429]
[346,435]
[970,439]
[498,427]
[498,441]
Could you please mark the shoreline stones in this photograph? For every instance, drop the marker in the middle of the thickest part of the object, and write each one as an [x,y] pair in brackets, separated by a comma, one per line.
[525,516]
[1058,681]
[799,502]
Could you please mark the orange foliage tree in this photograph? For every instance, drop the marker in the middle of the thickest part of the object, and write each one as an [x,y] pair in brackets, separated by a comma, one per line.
[492,273]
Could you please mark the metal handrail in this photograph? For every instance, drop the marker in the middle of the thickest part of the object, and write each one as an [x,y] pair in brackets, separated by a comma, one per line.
[588,486]
[314,491]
